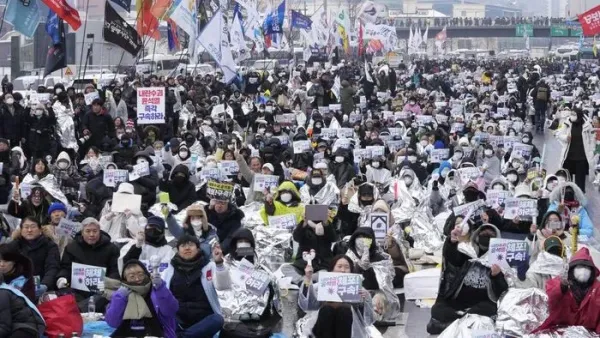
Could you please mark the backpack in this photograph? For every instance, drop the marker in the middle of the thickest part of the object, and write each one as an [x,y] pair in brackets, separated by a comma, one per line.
[542,94]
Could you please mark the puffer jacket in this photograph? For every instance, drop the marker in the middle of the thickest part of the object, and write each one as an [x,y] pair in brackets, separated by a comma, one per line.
[18,313]
[68,179]
[277,208]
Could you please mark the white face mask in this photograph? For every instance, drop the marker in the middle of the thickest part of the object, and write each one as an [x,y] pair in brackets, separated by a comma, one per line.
[339,159]
[10,101]
[375,164]
[561,180]
[498,187]
[457,156]
[552,185]
[196,223]
[582,274]
[62,165]
[408,181]
[525,139]
[316,181]
[58,91]
[231,146]
[412,159]
[516,165]
[488,153]
[243,245]
[141,160]
[261,130]
[286,197]
[571,118]
[512,178]
[424,143]
[183,154]
[39,112]
[269,135]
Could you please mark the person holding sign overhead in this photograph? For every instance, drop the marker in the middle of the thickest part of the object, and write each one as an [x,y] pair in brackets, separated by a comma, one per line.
[285,201]
[36,205]
[336,320]
[190,279]
[32,242]
[138,301]
[91,246]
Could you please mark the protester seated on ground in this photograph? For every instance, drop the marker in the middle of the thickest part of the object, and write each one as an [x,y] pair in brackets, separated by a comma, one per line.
[363,250]
[140,304]
[357,202]
[226,218]
[151,244]
[91,246]
[122,225]
[573,296]
[56,212]
[67,176]
[19,317]
[552,225]
[17,270]
[257,316]
[286,200]
[467,286]
[181,191]
[36,205]
[570,202]
[189,277]
[549,263]
[310,235]
[318,190]
[336,320]
[195,224]
[32,242]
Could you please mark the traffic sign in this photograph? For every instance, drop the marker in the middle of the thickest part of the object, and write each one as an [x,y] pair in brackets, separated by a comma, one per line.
[559,30]
[524,30]
[69,71]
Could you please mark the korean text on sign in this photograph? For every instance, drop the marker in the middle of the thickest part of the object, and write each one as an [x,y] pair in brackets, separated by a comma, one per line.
[339,287]
[150,105]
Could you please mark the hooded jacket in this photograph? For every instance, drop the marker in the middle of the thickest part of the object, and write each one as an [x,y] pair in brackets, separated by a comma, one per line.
[586,226]
[18,313]
[278,208]
[181,195]
[370,280]
[103,254]
[343,172]
[68,179]
[563,308]
[456,265]
[227,224]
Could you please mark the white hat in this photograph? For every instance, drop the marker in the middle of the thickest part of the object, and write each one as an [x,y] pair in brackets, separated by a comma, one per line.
[268,166]
[125,188]
[320,165]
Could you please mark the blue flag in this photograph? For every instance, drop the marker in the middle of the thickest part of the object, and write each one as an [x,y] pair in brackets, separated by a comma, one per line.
[52,27]
[24,19]
[237,11]
[273,23]
[301,21]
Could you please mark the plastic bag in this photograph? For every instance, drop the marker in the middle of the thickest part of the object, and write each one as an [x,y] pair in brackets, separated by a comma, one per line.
[61,316]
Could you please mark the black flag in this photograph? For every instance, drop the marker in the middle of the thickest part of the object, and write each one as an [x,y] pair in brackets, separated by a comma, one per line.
[57,55]
[119,32]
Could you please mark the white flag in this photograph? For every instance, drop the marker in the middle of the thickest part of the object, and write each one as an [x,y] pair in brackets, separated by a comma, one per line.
[216,42]
[410,40]
[367,73]
[237,40]
[425,34]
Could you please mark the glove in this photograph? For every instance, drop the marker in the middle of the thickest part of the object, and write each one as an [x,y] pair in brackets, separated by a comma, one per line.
[100,286]
[319,229]
[123,291]
[139,239]
[40,290]
[157,281]
[61,283]
[365,261]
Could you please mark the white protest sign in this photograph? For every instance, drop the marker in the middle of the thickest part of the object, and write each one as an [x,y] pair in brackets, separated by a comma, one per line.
[439,155]
[362,102]
[139,170]
[90,97]
[465,209]
[287,221]
[86,277]
[470,173]
[122,202]
[345,132]
[422,120]
[229,168]
[67,228]
[301,146]
[522,150]
[210,173]
[329,133]
[507,253]
[524,208]
[335,107]
[112,177]
[379,224]
[496,198]
[509,141]
[339,287]
[361,154]
[25,190]
[151,105]
[262,182]
[376,151]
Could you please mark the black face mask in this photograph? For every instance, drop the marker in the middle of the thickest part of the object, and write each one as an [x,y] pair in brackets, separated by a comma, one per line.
[569,195]
[189,141]
[366,202]
[471,196]
[179,180]
[484,243]
[153,236]
[268,157]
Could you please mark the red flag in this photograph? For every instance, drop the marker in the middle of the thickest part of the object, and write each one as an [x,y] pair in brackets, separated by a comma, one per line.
[590,21]
[268,41]
[65,12]
[360,40]
[160,7]
[147,24]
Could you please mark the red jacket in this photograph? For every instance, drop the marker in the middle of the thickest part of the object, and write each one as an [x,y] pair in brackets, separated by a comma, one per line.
[563,308]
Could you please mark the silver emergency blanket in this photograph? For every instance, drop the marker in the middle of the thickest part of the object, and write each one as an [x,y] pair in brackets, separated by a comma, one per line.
[548,264]
[521,311]
[273,246]
[66,126]
[427,235]
[237,300]
[252,217]
[464,327]
[49,184]
[568,332]
[305,325]
[329,194]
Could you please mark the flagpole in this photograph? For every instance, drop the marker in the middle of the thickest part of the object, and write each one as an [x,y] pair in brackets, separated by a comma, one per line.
[123,51]
[87,8]
[3,16]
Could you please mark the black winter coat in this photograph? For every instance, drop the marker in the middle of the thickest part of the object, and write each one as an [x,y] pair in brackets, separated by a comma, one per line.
[226,224]
[44,255]
[16,314]
[307,240]
[103,254]
[182,195]
[100,125]
[13,126]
